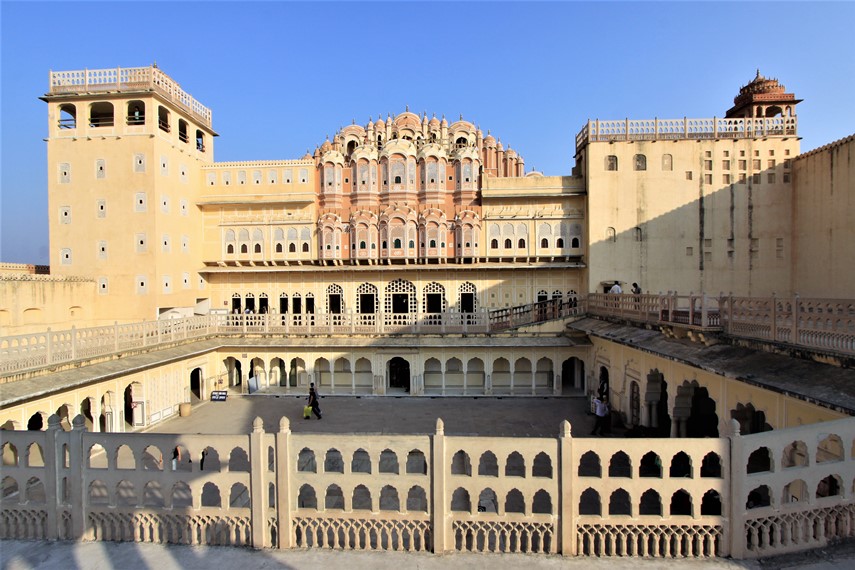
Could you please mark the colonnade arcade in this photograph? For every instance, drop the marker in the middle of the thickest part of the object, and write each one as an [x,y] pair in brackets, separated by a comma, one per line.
[653,408]
[410,371]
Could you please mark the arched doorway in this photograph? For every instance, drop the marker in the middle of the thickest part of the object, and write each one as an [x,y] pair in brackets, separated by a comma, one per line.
[399,373]
[86,412]
[196,385]
[129,406]
[703,421]
[572,376]
[603,387]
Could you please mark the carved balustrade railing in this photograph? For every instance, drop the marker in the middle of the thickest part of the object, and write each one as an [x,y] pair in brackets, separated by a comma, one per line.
[685,128]
[745,496]
[826,325]
[127,78]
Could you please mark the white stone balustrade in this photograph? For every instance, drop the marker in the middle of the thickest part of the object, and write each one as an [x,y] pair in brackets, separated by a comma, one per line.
[685,128]
[742,496]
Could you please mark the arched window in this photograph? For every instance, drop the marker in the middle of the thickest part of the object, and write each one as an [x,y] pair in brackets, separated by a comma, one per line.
[494,244]
[136,113]
[611,162]
[397,243]
[640,162]
[544,243]
[101,115]
[667,162]
[521,243]
[67,117]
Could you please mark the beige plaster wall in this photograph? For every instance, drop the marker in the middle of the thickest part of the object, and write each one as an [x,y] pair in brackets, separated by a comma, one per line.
[719,220]
[824,221]
[32,303]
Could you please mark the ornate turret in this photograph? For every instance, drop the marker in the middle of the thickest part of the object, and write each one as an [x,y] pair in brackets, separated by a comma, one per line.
[763,97]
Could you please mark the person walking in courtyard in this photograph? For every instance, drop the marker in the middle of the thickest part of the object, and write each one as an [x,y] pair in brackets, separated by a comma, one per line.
[601,413]
[313,401]
[616,290]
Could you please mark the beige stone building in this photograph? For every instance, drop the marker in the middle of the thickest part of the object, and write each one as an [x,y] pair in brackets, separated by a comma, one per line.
[411,256]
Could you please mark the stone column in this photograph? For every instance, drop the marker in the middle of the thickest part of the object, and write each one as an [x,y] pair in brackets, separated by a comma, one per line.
[566,505]
[53,461]
[440,521]
[283,484]
[76,480]
[258,470]
[733,536]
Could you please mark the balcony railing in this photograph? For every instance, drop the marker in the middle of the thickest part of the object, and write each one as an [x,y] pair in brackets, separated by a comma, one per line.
[826,325]
[818,324]
[685,128]
[125,79]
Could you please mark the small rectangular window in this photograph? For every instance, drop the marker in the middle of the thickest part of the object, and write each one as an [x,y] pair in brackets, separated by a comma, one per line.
[227,178]
[185,244]
[286,176]
[707,153]
[770,163]
[271,177]
[100,169]
[771,152]
[755,179]
[139,163]
[725,178]
[164,166]
[707,242]
[182,173]
[742,178]
[786,177]
[727,153]
[164,204]
[140,243]
[743,164]
[101,208]
[183,206]
[707,165]
[707,178]
[741,153]
[725,165]
[64,171]
[241,177]
[304,175]
[65,215]
[166,243]
[755,164]
[167,284]
[688,175]
[786,152]
[211,178]
[707,256]
[139,202]
[142,285]
[102,250]
[756,153]
[185,280]
[102,286]
[256,177]
[690,252]
[770,177]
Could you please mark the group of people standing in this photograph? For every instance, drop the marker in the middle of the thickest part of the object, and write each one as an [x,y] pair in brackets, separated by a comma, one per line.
[617,290]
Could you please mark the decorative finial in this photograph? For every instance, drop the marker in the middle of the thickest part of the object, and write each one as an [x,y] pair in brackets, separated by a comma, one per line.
[257,425]
[735,428]
[406,108]
[461,116]
[353,121]
[284,425]
[440,427]
[565,429]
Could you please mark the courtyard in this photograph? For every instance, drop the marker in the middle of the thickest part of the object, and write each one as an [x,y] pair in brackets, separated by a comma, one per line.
[465,416]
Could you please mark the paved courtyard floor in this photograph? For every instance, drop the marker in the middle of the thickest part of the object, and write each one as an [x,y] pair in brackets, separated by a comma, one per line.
[501,417]
[22,555]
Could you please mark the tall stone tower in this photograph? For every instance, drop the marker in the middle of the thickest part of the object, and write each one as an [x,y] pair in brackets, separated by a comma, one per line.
[125,150]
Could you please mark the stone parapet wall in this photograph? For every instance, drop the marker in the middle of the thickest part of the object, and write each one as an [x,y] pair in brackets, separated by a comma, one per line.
[577,497]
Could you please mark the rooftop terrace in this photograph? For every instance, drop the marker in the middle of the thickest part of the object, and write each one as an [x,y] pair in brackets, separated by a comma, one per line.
[685,128]
[85,81]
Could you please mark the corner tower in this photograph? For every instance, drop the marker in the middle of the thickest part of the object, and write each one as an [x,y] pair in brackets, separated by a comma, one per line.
[125,148]
[763,97]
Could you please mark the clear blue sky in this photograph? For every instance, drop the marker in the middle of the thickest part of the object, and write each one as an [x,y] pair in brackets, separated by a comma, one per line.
[281,76]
